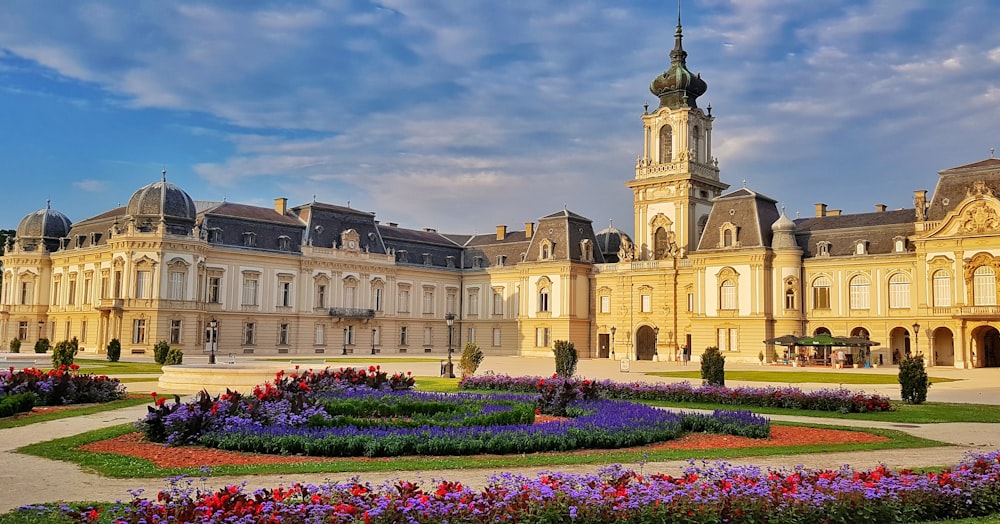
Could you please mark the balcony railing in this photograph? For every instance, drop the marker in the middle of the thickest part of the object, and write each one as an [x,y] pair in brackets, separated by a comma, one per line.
[978,311]
[105,304]
[351,312]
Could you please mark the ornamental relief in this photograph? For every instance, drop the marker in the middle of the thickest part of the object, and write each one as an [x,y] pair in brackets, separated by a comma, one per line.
[978,260]
[979,218]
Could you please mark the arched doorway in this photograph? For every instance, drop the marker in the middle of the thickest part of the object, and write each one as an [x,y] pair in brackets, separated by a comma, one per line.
[899,341]
[645,343]
[985,347]
[822,331]
[943,347]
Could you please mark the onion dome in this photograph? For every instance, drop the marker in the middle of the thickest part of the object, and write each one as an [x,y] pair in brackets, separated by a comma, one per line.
[784,233]
[609,241]
[162,201]
[45,226]
[678,87]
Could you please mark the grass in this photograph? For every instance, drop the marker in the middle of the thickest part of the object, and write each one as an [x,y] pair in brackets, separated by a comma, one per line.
[798,377]
[358,360]
[28,419]
[928,413]
[104,367]
[120,466]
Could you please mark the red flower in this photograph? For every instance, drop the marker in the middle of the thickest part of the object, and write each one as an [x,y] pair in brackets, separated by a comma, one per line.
[153,394]
[160,401]
[74,367]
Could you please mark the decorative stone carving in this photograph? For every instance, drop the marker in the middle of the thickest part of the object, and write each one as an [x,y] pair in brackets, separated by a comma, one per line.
[979,188]
[626,252]
[979,218]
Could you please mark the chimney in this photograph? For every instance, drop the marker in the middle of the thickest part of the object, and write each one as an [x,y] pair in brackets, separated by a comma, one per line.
[501,232]
[391,224]
[880,208]
[821,210]
[833,213]
[529,229]
[280,205]
[430,230]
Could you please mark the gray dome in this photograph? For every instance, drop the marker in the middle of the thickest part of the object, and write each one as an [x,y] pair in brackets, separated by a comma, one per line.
[783,223]
[609,240]
[44,224]
[783,231]
[162,199]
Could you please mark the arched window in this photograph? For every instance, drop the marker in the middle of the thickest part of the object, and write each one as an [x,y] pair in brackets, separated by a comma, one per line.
[661,242]
[899,291]
[696,144]
[727,238]
[543,300]
[666,144]
[984,287]
[860,292]
[727,295]
[789,298]
[821,293]
[942,288]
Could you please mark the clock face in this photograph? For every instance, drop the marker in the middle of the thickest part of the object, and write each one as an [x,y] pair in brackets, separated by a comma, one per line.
[352,244]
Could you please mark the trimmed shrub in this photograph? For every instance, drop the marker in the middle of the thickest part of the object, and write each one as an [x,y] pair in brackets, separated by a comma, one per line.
[472,356]
[114,350]
[713,367]
[160,351]
[913,380]
[15,345]
[566,358]
[42,345]
[63,354]
[174,357]
[11,405]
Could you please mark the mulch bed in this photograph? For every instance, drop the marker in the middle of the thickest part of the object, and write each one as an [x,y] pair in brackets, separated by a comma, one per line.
[134,445]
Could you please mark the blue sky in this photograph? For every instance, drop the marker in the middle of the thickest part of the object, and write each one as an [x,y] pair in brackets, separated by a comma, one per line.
[464,115]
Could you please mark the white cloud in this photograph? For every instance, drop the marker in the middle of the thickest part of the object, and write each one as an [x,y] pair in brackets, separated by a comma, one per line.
[91,186]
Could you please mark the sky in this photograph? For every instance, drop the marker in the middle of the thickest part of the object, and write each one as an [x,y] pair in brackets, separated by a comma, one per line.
[462,116]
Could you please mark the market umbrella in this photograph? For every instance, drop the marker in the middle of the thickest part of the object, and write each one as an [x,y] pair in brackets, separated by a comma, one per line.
[783,340]
[861,342]
[823,340]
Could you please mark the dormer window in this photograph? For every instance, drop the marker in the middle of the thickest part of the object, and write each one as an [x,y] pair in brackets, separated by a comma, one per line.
[729,235]
[449,261]
[477,263]
[249,239]
[899,244]
[823,249]
[215,235]
[284,243]
[501,259]
[861,247]
[586,250]
[80,239]
[428,260]
[401,255]
[546,250]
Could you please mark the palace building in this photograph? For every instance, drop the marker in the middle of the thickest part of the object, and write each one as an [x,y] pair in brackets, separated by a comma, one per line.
[708,266]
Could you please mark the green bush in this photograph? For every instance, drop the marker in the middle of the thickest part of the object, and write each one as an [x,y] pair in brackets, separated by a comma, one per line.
[63,354]
[913,379]
[713,367]
[566,358]
[472,356]
[174,357]
[15,345]
[42,345]
[11,405]
[160,351]
[114,350]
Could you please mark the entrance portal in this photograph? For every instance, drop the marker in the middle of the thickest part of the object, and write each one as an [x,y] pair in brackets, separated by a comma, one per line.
[990,347]
[645,343]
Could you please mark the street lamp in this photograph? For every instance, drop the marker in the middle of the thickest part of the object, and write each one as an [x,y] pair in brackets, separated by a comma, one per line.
[214,324]
[656,341]
[916,338]
[344,352]
[613,329]
[40,324]
[373,341]
[450,367]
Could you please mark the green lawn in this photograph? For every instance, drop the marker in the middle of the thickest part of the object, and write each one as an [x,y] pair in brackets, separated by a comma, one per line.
[361,359]
[798,377]
[928,413]
[118,466]
[104,367]
[24,420]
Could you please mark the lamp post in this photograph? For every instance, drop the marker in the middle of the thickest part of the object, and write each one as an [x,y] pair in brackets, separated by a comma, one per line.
[40,324]
[373,341]
[344,352]
[450,367]
[214,324]
[656,342]
[916,338]
[613,329]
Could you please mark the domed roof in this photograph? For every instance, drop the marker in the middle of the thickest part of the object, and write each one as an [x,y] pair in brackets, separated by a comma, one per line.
[609,240]
[44,224]
[783,230]
[678,87]
[161,199]
[783,223]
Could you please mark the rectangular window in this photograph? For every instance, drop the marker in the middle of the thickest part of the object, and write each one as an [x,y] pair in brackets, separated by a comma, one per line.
[472,335]
[428,336]
[377,299]
[71,299]
[542,337]
[177,285]
[605,304]
[214,283]
[497,303]
[118,284]
[175,331]
[690,301]
[320,337]
[496,337]
[105,280]
[249,333]
[321,296]
[821,297]
[728,339]
[55,292]
[27,293]
[404,301]
[88,284]
[942,289]
[143,283]
[349,335]
[83,330]
[68,327]
[282,334]
[284,294]
[139,331]
[474,303]
[543,301]
[351,296]
[428,301]
[646,303]
[22,330]
[250,290]
[402,336]
[450,303]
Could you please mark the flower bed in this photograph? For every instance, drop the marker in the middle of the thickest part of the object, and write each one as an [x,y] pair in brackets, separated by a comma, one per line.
[720,493]
[840,400]
[326,415]
[61,386]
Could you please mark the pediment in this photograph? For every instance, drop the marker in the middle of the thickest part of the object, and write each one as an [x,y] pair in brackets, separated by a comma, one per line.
[977,215]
